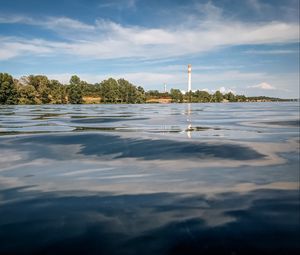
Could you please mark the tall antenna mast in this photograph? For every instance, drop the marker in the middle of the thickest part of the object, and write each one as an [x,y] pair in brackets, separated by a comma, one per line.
[189,77]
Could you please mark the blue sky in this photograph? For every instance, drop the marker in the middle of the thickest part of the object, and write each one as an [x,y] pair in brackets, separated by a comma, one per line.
[249,47]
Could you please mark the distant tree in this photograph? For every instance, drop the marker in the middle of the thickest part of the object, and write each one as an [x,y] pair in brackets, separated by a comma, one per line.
[141,89]
[8,90]
[230,97]
[188,96]
[75,91]
[89,89]
[218,96]
[129,93]
[58,92]
[109,91]
[41,84]
[241,98]
[75,80]
[152,94]
[27,94]
[141,97]
[176,95]
[201,96]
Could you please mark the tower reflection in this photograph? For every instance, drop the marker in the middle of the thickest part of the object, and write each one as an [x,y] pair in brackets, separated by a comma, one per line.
[189,120]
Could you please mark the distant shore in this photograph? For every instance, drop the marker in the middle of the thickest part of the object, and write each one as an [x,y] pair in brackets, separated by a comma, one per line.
[38,89]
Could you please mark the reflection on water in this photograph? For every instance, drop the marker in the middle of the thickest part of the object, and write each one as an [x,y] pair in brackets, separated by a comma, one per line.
[150,179]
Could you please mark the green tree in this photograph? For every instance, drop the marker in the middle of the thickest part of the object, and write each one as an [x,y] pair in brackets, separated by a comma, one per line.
[152,94]
[230,97]
[201,96]
[141,97]
[176,95]
[8,90]
[141,90]
[75,80]
[217,97]
[188,96]
[27,94]
[129,93]
[241,98]
[58,92]
[126,90]
[109,91]
[41,84]
[75,91]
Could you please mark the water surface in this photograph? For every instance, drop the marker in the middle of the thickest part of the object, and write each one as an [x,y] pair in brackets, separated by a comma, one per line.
[150,179]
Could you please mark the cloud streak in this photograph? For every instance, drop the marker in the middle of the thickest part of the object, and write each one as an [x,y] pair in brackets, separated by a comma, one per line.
[272,52]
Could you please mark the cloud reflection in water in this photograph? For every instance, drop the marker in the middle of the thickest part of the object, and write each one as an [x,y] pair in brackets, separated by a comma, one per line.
[127,179]
[260,222]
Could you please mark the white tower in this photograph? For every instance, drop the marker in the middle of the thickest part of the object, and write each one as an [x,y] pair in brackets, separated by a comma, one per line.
[189,77]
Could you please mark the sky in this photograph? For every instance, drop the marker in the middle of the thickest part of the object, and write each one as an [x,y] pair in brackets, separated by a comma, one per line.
[248,47]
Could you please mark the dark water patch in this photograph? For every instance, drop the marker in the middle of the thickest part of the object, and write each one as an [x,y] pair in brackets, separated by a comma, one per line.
[7,126]
[83,129]
[105,120]
[292,123]
[167,149]
[29,175]
[47,124]
[197,128]
[114,146]
[260,222]
[164,131]
[7,113]
[22,122]
[79,117]
[8,133]
[104,116]
[3,133]
[47,116]
[36,110]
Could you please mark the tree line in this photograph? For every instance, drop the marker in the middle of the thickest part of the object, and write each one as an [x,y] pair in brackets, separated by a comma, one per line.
[39,89]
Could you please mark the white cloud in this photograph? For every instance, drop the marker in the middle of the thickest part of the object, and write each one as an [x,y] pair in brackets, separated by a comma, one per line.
[109,40]
[12,47]
[64,23]
[258,6]
[209,10]
[224,90]
[272,52]
[119,5]
[10,19]
[264,86]
[53,23]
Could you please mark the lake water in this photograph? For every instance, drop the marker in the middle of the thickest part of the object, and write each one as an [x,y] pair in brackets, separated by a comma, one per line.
[150,179]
